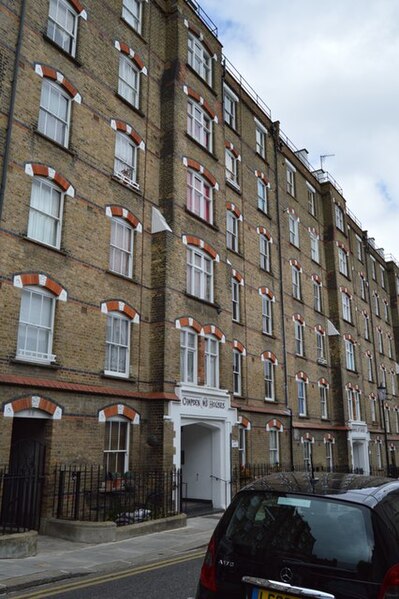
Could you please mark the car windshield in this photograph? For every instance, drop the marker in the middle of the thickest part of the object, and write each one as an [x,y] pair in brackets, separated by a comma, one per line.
[321,530]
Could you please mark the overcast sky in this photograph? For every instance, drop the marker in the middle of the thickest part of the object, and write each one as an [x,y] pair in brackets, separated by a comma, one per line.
[329,71]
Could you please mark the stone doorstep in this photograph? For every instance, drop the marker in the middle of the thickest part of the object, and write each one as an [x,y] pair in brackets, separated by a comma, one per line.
[18,545]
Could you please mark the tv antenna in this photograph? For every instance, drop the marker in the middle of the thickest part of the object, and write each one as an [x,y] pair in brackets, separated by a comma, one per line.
[322,159]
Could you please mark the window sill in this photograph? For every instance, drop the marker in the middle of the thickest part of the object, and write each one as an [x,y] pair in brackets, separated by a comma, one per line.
[231,128]
[234,186]
[205,302]
[131,279]
[115,377]
[298,299]
[241,324]
[352,371]
[235,252]
[269,400]
[302,356]
[126,186]
[190,68]
[263,158]
[269,335]
[129,105]
[70,57]
[295,246]
[264,213]
[21,361]
[55,143]
[348,322]
[133,29]
[202,147]
[201,220]
[44,245]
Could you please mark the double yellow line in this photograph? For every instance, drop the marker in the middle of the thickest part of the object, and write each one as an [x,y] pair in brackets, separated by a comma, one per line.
[81,584]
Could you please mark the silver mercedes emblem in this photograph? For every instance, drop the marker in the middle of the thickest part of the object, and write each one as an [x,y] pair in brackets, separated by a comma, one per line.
[286,574]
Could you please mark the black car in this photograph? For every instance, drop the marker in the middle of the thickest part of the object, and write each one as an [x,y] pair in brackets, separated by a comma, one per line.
[335,533]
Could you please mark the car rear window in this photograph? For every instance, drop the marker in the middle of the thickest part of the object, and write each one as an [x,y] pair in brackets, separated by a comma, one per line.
[321,530]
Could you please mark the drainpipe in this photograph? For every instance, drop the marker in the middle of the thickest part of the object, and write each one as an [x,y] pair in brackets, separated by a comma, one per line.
[7,145]
[276,136]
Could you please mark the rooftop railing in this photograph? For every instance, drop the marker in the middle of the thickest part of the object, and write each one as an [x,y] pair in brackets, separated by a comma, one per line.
[243,83]
[203,16]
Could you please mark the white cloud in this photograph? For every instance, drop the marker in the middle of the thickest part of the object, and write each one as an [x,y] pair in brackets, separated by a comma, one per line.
[329,72]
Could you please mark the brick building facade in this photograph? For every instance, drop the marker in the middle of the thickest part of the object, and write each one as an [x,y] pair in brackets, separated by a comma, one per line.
[177,285]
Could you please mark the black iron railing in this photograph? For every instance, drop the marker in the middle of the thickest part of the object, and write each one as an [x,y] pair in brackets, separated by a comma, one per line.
[89,493]
[20,500]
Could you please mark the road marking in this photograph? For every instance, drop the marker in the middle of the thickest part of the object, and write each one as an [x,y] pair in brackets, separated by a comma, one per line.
[64,588]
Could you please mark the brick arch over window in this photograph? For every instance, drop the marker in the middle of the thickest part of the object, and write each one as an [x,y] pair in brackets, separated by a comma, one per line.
[76,5]
[307,437]
[274,423]
[302,376]
[317,279]
[244,422]
[188,322]
[124,49]
[50,73]
[212,329]
[323,382]
[234,209]
[125,214]
[126,128]
[34,169]
[268,355]
[191,93]
[200,36]
[122,307]
[229,146]
[299,318]
[191,240]
[296,264]
[319,329]
[265,232]
[239,347]
[196,166]
[41,280]
[346,291]
[266,291]
[238,277]
[263,177]
[33,402]
[119,409]
[329,438]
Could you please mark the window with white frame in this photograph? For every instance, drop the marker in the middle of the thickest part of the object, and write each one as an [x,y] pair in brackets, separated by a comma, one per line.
[274,451]
[350,354]
[307,455]
[362,287]
[373,268]
[299,338]
[301,394]
[211,362]
[320,346]
[129,81]
[265,252]
[260,141]
[231,162]
[235,297]
[125,163]
[262,195]
[132,13]
[346,307]
[199,58]
[314,247]
[242,445]
[329,456]
[366,321]
[267,315]
[121,247]
[188,356]
[378,447]
[290,178]
[370,377]
[199,196]
[311,199]
[359,248]
[380,341]
[117,353]
[323,394]
[45,212]
[373,409]
[343,261]
[54,113]
[230,102]
[387,419]
[268,373]
[376,304]
[231,231]
[36,325]
[353,397]
[386,311]
[382,276]
[237,372]
[199,274]
[199,125]
[317,304]
[62,25]
[339,218]
[383,376]
[396,421]
[393,383]
[296,281]
[389,339]
[294,229]
[116,445]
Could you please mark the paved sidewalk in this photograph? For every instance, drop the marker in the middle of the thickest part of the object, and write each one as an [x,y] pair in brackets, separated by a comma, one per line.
[58,559]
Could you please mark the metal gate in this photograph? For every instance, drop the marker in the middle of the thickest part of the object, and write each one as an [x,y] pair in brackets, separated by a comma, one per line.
[21,487]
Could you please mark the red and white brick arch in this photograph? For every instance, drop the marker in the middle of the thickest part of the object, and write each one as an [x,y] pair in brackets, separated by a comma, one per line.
[329,438]
[188,322]
[239,347]
[128,130]
[265,232]
[124,213]
[262,177]
[212,329]
[124,49]
[229,146]
[307,437]
[302,376]
[268,292]
[119,409]
[196,241]
[269,355]
[122,307]
[244,422]
[274,424]
[50,73]
[40,280]
[76,5]
[191,93]
[33,402]
[200,36]
[196,166]
[234,209]
[34,169]
[238,277]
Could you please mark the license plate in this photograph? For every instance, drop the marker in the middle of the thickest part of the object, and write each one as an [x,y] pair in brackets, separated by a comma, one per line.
[267,594]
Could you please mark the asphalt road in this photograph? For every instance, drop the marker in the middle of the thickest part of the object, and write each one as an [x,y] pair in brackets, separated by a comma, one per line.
[174,578]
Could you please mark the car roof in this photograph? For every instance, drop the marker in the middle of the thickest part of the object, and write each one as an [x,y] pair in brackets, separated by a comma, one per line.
[350,487]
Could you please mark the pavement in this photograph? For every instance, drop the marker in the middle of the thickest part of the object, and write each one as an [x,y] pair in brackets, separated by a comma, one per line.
[58,559]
